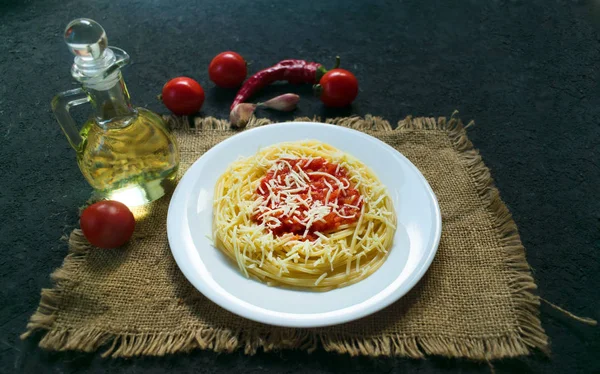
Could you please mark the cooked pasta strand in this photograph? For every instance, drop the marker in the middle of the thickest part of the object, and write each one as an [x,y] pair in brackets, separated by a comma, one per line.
[329,260]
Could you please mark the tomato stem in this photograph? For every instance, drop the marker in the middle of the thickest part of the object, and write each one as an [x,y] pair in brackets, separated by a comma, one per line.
[337,62]
[317,90]
[321,71]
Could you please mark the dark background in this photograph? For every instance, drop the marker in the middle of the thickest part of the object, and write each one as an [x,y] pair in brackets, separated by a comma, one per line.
[525,71]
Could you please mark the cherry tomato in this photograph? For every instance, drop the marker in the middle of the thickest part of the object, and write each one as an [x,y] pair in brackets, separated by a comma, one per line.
[183,96]
[227,70]
[339,88]
[107,224]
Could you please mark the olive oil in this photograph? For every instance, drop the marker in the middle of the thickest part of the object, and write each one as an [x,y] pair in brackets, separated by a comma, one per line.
[125,153]
[140,155]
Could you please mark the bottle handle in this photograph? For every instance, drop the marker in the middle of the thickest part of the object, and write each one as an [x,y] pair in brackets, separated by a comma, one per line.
[61,104]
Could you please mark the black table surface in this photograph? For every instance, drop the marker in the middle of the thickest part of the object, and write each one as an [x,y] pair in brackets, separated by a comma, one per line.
[525,71]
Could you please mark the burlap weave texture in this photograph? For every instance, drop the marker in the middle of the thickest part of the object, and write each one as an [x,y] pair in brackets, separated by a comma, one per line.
[475,301]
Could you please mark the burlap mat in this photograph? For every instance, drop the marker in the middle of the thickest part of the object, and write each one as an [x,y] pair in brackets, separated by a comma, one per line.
[475,301]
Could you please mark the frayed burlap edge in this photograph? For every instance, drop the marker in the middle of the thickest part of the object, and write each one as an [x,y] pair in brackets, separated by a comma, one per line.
[526,304]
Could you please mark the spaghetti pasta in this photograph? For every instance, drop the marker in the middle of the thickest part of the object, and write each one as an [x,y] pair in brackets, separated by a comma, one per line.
[304,215]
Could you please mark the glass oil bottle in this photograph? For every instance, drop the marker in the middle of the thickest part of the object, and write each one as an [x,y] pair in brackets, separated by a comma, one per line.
[125,153]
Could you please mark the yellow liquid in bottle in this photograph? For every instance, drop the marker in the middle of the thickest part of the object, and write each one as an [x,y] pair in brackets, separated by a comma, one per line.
[134,163]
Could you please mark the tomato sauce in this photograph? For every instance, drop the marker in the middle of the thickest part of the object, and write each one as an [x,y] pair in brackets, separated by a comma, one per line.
[301,196]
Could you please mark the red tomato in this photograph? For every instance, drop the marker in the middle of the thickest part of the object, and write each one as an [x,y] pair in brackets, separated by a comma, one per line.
[339,88]
[227,70]
[107,224]
[183,96]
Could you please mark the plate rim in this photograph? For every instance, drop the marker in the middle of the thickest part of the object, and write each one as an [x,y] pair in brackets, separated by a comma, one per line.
[301,320]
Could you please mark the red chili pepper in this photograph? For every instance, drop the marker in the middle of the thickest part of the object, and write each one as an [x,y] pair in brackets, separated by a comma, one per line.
[293,71]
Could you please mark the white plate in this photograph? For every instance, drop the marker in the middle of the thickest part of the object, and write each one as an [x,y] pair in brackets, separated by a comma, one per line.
[189,225]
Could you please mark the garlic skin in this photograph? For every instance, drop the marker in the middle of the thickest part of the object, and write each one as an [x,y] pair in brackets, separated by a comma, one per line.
[285,103]
[241,114]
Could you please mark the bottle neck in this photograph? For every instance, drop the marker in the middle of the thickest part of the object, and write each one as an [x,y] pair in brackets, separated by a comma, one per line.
[111,103]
